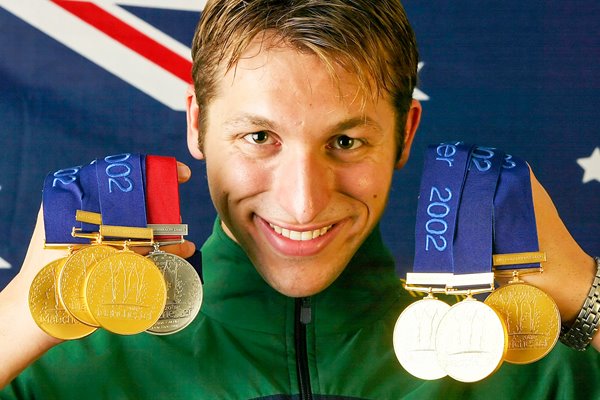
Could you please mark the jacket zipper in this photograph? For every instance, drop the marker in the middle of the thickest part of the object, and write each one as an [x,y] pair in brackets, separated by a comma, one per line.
[302,318]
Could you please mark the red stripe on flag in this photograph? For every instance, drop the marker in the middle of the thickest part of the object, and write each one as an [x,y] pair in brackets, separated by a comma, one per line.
[130,37]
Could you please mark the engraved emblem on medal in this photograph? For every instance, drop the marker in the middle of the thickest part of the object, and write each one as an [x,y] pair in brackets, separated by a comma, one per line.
[415,338]
[471,341]
[184,293]
[72,277]
[126,293]
[47,309]
[532,321]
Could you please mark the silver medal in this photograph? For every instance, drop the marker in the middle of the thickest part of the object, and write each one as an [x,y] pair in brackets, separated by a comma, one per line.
[184,293]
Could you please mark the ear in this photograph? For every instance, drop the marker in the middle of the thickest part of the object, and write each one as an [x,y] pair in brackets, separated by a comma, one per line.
[192,115]
[410,129]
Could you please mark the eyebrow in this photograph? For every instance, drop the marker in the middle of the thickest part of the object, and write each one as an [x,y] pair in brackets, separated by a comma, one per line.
[244,120]
[250,119]
[355,122]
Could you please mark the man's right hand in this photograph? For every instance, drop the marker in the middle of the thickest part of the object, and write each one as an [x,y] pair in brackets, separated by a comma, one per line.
[21,340]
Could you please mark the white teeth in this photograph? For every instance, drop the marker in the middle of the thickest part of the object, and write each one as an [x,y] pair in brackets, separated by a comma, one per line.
[297,235]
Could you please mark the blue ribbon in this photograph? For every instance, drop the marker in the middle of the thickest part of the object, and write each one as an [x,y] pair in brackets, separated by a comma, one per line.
[113,186]
[61,198]
[90,200]
[473,202]
[473,240]
[514,216]
[439,198]
[121,190]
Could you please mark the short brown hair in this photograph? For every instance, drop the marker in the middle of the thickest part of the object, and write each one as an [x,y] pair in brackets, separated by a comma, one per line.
[372,39]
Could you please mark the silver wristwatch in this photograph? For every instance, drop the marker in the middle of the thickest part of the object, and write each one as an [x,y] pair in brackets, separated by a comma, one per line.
[579,335]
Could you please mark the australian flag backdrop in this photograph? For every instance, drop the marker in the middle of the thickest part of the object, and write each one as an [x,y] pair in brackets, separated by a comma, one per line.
[84,79]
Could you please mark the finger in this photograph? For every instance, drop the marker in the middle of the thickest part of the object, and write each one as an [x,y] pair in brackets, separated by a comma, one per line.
[184,250]
[183,172]
[37,256]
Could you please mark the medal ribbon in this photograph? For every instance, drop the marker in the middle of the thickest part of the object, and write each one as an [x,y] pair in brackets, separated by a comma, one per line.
[465,217]
[120,181]
[90,200]
[439,198]
[473,240]
[127,189]
[162,192]
[514,217]
[61,197]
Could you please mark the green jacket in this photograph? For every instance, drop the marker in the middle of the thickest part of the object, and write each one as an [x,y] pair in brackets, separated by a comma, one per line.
[249,342]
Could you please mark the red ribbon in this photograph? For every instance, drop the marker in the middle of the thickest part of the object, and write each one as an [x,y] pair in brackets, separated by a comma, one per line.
[162,192]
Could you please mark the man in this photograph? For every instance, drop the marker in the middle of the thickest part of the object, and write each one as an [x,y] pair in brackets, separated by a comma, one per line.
[302,112]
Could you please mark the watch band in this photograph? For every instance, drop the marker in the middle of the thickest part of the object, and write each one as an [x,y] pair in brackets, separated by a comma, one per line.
[579,335]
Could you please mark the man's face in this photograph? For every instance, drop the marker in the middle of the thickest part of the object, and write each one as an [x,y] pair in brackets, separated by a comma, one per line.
[299,166]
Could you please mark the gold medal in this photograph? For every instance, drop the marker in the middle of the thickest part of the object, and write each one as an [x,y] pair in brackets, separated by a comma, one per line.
[184,293]
[532,320]
[471,341]
[125,293]
[71,281]
[46,308]
[414,338]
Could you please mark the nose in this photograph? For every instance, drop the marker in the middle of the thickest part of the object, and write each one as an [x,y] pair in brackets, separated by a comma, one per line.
[303,184]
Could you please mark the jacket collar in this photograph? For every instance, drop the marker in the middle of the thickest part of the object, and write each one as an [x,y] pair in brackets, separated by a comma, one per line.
[235,294]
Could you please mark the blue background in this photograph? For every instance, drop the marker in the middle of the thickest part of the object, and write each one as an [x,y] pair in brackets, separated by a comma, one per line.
[521,76]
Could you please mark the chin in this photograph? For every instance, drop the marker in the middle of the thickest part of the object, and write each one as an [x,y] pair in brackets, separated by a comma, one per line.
[299,287]
[299,292]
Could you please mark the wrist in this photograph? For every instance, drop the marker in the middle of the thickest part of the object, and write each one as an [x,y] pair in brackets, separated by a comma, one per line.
[579,333]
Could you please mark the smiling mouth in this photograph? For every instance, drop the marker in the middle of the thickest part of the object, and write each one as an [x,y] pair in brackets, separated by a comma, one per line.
[300,235]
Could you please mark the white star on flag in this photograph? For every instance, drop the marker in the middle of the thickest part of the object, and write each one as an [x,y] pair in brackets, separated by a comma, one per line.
[417,93]
[4,264]
[591,166]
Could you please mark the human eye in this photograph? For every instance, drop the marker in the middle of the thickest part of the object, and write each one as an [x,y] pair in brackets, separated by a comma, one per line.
[260,137]
[344,142]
